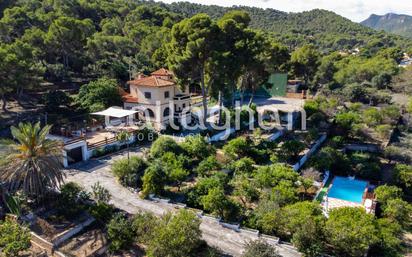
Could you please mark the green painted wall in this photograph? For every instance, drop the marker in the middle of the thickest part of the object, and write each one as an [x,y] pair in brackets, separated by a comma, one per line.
[276,85]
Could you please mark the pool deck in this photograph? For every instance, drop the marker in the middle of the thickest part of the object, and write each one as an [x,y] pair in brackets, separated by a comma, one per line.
[337,203]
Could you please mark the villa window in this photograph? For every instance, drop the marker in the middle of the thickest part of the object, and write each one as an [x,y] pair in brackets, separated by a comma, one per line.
[167,94]
[166,112]
[148,95]
[184,105]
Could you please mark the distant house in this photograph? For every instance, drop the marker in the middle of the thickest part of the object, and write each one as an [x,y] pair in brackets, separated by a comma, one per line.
[405,62]
[157,97]
[295,86]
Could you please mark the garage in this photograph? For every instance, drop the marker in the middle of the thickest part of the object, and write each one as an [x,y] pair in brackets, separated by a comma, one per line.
[74,155]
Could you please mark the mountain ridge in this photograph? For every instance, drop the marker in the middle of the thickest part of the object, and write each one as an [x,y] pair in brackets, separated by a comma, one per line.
[323,28]
[400,24]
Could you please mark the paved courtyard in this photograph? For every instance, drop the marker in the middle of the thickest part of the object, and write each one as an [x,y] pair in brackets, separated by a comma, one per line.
[213,233]
[280,103]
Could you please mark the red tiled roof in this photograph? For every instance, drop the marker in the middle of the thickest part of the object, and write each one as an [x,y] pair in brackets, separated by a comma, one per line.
[126,97]
[162,72]
[129,99]
[151,81]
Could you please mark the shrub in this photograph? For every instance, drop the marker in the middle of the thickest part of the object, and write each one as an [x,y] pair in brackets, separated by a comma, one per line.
[271,176]
[144,225]
[100,194]
[355,93]
[119,233]
[259,154]
[163,145]
[295,215]
[382,80]
[154,179]
[372,117]
[355,107]
[399,211]
[244,189]
[312,173]
[379,97]
[243,165]
[260,248]
[215,201]
[197,147]
[391,112]
[385,193]
[204,185]
[14,238]
[366,165]
[105,150]
[69,201]
[396,153]
[311,136]
[331,159]
[176,236]
[102,212]
[403,175]
[291,149]
[311,107]
[317,118]
[238,147]
[174,169]
[309,238]
[337,141]
[390,234]
[129,171]
[346,120]
[350,231]
[207,165]
[384,131]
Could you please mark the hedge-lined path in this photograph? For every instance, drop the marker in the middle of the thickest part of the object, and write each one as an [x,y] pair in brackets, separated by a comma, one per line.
[90,172]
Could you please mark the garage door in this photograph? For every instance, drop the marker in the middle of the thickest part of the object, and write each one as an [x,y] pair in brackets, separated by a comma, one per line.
[74,155]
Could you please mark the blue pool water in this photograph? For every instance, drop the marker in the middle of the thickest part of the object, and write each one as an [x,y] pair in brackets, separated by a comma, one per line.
[347,189]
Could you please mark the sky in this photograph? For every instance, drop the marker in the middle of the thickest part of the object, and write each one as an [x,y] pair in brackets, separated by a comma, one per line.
[356,10]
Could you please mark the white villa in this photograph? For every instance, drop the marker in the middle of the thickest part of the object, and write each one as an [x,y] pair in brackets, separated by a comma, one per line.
[157,97]
[154,99]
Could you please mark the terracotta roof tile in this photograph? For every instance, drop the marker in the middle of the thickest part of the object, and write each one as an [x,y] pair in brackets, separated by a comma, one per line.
[151,81]
[130,99]
[162,72]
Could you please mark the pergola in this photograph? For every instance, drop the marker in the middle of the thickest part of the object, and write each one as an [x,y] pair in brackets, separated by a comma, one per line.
[116,113]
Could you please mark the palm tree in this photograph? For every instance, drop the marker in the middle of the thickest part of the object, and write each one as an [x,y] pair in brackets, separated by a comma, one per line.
[124,137]
[32,162]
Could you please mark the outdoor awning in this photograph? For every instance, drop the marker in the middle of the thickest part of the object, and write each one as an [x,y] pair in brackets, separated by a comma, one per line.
[115,112]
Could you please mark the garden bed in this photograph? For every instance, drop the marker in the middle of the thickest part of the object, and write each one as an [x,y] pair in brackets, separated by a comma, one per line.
[90,242]
[56,229]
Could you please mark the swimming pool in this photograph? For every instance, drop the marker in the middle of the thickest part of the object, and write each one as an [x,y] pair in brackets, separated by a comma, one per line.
[347,189]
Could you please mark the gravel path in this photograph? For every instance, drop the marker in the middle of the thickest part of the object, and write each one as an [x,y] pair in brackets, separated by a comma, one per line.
[213,233]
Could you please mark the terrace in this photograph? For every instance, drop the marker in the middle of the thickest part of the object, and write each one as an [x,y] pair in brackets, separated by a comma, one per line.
[82,139]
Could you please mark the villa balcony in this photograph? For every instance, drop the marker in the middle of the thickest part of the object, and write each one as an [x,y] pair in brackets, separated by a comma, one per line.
[180,97]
